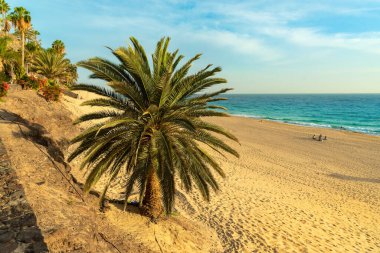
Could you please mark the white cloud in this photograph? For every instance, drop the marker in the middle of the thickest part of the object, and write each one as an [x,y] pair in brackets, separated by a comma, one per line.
[308,37]
[242,44]
[272,38]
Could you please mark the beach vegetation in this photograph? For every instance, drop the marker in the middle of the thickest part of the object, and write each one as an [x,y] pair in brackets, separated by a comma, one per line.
[4,9]
[54,65]
[23,59]
[51,90]
[58,46]
[4,87]
[9,59]
[151,128]
[21,20]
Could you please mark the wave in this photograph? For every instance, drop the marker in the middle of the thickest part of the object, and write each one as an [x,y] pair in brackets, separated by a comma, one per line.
[315,123]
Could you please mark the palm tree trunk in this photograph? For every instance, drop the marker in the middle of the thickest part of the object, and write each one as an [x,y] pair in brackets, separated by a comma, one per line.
[3,28]
[152,202]
[12,73]
[22,49]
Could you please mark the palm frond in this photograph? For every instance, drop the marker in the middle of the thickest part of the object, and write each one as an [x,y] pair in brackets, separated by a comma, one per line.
[154,125]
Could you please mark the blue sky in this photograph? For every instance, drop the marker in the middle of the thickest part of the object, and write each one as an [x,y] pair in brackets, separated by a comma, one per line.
[263,46]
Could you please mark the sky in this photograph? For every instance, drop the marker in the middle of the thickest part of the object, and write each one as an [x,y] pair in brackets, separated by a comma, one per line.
[273,46]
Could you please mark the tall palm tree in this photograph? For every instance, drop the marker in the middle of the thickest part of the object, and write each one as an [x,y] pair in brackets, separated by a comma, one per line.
[7,24]
[154,131]
[58,46]
[31,35]
[31,49]
[51,65]
[4,8]
[21,20]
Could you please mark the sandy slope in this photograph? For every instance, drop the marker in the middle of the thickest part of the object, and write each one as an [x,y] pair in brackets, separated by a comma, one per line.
[287,193]
[67,223]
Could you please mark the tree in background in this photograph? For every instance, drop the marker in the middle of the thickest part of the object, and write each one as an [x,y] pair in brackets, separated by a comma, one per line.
[31,35]
[51,65]
[71,77]
[31,49]
[7,24]
[58,46]
[21,20]
[4,8]
[9,58]
[25,44]
[154,127]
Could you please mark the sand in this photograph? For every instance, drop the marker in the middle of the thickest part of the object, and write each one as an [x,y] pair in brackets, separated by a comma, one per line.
[289,193]
[286,193]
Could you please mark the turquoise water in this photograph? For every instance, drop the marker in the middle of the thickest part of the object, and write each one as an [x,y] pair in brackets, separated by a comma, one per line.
[354,112]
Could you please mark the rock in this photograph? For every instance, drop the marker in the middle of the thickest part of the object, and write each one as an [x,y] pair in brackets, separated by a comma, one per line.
[28,220]
[6,237]
[40,247]
[9,247]
[18,226]
[3,230]
[29,234]
[25,236]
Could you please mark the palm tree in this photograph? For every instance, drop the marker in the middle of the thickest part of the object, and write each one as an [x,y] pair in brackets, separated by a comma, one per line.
[7,24]
[31,35]
[4,8]
[58,46]
[51,65]
[8,57]
[154,130]
[32,48]
[72,76]
[21,20]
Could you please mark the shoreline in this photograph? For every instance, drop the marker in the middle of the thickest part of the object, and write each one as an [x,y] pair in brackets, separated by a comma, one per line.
[307,125]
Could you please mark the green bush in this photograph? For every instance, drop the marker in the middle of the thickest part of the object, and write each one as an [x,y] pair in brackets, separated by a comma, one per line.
[3,77]
[30,82]
[51,91]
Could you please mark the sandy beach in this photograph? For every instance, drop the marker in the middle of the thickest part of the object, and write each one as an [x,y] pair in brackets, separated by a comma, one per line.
[286,193]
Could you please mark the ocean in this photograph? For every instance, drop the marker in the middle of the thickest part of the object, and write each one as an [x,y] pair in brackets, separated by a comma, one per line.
[353,112]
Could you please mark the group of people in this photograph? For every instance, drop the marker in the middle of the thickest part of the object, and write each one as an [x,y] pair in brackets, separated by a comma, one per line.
[320,137]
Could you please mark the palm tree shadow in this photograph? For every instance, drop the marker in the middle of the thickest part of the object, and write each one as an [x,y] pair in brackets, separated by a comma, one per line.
[357,179]
[36,133]
[131,208]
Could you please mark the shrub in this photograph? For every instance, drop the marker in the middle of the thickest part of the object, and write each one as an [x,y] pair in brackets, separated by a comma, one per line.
[4,87]
[29,82]
[42,82]
[51,91]
[3,76]
[19,72]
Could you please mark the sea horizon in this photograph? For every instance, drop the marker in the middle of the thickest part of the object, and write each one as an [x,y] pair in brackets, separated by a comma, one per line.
[357,112]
